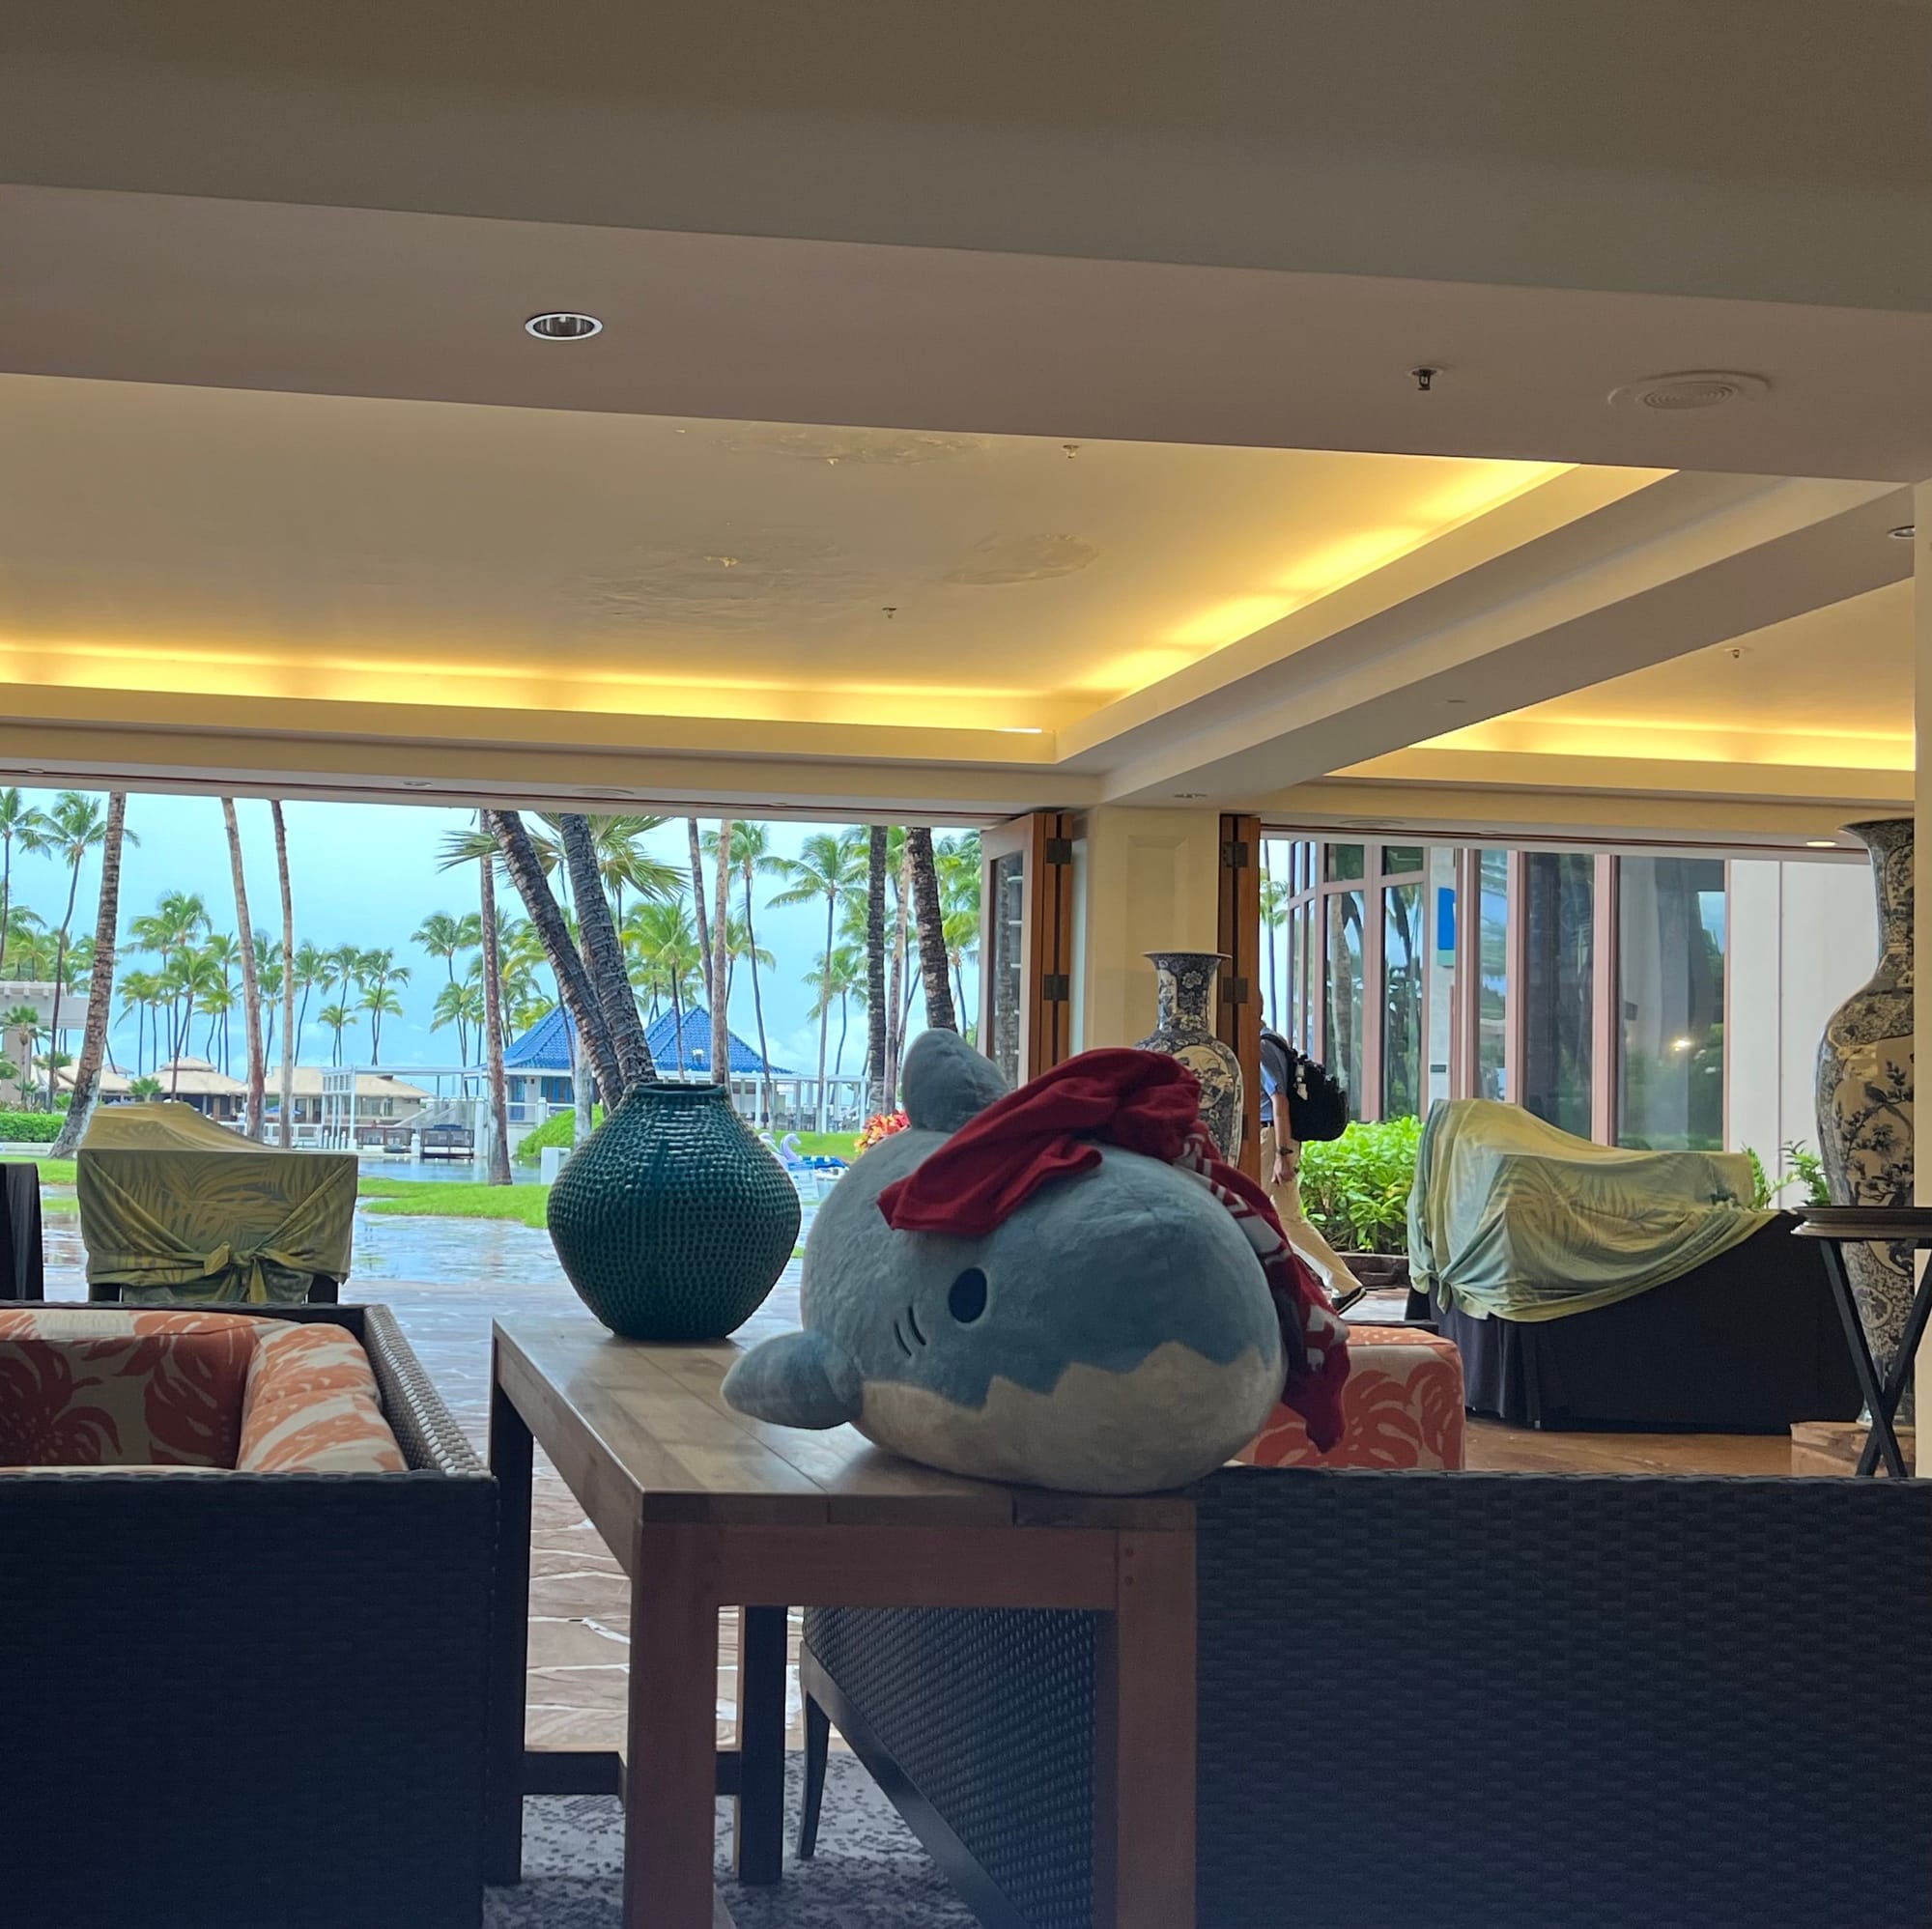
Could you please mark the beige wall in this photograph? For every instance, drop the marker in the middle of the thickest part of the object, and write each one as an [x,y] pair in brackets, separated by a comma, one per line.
[1145,881]
[1803,937]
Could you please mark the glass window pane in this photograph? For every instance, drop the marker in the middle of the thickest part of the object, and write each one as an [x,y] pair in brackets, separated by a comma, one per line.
[1343,861]
[1004,938]
[1342,1046]
[1559,912]
[1400,858]
[1670,991]
[1402,946]
[1307,871]
[1492,973]
[1303,1006]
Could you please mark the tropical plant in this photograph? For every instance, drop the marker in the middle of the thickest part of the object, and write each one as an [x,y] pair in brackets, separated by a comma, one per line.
[251,984]
[490,935]
[830,864]
[26,1020]
[26,1128]
[312,968]
[721,959]
[842,976]
[285,1107]
[76,826]
[877,851]
[21,823]
[663,945]
[380,1000]
[192,973]
[446,937]
[1356,1188]
[604,954]
[750,855]
[929,923]
[336,1018]
[699,908]
[144,1089]
[459,1003]
[1276,892]
[100,991]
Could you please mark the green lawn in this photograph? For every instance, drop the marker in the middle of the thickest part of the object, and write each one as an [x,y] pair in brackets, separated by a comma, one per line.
[55,1171]
[829,1145]
[441,1198]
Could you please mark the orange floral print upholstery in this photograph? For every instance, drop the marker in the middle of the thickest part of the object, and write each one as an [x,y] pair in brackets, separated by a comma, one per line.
[115,1388]
[120,1388]
[1402,1407]
[311,1405]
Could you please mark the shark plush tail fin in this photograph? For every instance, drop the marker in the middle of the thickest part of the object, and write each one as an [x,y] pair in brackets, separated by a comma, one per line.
[799,1380]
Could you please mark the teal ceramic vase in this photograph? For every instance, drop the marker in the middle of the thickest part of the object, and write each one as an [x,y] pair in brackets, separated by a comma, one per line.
[671,1220]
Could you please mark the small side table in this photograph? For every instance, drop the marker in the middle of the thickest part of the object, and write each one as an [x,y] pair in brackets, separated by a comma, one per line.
[1836,1226]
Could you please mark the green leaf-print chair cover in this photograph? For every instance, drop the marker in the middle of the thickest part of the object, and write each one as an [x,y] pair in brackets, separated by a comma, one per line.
[176,1207]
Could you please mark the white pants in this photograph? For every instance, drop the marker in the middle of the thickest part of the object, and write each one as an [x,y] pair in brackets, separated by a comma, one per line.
[1302,1233]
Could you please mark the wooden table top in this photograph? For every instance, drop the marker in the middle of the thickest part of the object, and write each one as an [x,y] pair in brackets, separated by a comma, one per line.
[1866,1222]
[642,1433]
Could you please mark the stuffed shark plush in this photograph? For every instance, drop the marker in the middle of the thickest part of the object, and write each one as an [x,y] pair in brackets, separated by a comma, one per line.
[1113,1333]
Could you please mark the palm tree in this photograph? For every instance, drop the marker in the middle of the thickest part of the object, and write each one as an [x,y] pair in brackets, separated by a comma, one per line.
[604,954]
[721,959]
[929,920]
[26,1020]
[962,942]
[19,938]
[270,978]
[480,846]
[140,992]
[190,974]
[342,964]
[446,937]
[380,1000]
[842,976]
[312,968]
[285,1105]
[460,1005]
[251,984]
[830,864]
[750,854]
[76,826]
[337,1018]
[877,1097]
[699,904]
[661,939]
[217,1000]
[22,823]
[575,989]
[101,990]
[899,999]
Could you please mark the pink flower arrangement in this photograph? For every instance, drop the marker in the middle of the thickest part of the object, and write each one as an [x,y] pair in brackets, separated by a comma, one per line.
[882,1128]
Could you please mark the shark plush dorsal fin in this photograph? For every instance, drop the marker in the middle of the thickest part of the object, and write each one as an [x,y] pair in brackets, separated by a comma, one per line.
[946,1083]
[799,1380]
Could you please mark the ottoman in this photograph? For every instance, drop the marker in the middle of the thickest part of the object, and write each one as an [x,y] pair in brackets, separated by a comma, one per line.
[1402,1407]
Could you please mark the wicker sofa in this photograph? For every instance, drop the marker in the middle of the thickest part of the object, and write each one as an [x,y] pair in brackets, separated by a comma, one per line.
[1441,1699]
[251,1698]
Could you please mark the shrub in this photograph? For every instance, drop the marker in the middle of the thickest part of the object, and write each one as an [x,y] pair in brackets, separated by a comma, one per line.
[558,1129]
[33,1128]
[1357,1187]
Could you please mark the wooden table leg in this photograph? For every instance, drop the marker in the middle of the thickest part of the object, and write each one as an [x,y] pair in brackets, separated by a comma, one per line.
[1145,1716]
[757,1835]
[1882,1440]
[510,1460]
[671,1778]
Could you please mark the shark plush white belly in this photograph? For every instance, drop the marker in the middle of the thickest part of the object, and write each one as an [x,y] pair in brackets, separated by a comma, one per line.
[1113,1333]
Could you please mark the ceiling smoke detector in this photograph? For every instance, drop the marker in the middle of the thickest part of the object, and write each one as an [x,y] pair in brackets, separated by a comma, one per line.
[1692,388]
[562,325]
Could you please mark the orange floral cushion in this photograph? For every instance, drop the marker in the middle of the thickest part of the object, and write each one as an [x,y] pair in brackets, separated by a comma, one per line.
[115,1387]
[1402,1407]
[121,1388]
[311,1405]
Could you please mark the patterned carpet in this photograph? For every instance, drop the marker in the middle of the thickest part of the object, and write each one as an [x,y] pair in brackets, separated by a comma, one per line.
[868,1873]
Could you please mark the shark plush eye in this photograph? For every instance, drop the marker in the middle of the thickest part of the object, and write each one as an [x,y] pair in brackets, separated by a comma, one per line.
[967,1299]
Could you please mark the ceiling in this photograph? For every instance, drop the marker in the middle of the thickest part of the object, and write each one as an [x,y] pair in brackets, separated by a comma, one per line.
[289,502]
[212,541]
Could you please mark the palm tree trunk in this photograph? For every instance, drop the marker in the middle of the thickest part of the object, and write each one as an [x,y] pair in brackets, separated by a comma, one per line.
[697,905]
[499,1126]
[285,1106]
[60,980]
[896,1022]
[960,985]
[720,963]
[251,984]
[759,1006]
[101,990]
[844,1019]
[825,1003]
[603,954]
[930,921]
[678,1017]
[573,982]
[878,1093]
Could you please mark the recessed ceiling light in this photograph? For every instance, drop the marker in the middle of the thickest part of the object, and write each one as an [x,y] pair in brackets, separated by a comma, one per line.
[1821,843]
[1690,388]
[418,784]
[563,324]
[1904,533]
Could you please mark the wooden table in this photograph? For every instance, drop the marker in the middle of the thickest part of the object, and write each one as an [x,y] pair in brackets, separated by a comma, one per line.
[707,1509]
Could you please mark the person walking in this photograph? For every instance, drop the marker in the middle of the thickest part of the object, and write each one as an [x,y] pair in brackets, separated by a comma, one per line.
[1301,1102]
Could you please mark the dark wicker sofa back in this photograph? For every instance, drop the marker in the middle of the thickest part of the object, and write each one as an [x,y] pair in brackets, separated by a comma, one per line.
[250,1699]
[1447,1699]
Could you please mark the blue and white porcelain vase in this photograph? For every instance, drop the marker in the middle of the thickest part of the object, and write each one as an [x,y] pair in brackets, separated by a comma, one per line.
[1864,1096]
[1184,1030]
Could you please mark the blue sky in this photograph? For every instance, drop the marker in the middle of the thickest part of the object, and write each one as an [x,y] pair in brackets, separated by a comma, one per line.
[366,874]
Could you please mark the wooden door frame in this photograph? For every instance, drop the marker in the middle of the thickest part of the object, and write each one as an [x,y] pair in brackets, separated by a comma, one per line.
[1237,1010]
[1043,842]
